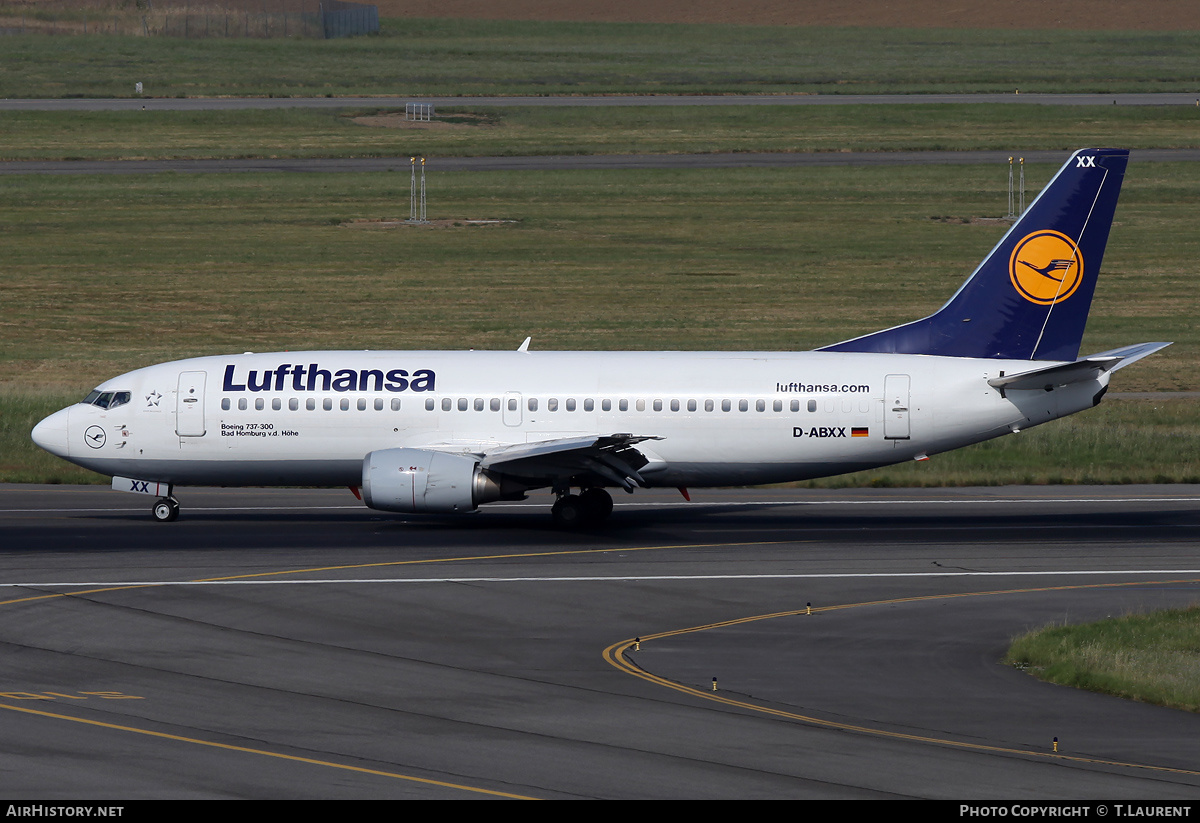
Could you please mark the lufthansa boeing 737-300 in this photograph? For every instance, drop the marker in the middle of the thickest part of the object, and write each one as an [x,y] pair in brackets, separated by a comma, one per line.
[436,431]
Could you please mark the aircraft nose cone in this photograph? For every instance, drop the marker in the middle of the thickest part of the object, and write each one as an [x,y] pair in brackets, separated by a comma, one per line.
[52,433]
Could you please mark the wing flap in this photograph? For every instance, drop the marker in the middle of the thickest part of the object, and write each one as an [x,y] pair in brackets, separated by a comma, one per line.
[612,458]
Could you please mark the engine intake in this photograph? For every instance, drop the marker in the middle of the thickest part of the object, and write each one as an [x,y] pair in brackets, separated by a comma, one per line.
[419,480]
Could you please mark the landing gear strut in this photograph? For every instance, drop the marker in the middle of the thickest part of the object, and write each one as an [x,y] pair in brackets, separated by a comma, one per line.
[165,509]
[588,508]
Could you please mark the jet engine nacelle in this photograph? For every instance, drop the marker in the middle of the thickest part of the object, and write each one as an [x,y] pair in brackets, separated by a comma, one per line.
[418,480]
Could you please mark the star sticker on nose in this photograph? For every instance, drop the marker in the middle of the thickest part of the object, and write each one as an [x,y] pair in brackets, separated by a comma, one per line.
[152,398]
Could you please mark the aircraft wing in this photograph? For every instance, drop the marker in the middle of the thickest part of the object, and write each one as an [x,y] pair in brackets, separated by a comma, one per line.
[1087,368]
[611,458]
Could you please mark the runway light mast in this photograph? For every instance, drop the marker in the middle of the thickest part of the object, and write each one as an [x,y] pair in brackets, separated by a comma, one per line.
[416,199]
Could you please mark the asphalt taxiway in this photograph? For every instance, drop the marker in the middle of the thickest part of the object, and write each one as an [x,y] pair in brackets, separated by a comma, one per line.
[293,644]
[609,162]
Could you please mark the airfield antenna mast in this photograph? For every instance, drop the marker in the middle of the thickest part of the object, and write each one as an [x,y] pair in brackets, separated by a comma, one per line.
[1023,186]
[416,198]
[1011,204]
[1015,208]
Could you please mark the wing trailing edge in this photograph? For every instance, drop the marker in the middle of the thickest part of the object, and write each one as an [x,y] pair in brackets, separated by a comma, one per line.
[612,458]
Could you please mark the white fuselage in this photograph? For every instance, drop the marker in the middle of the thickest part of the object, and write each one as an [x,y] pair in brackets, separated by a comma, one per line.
[309,418]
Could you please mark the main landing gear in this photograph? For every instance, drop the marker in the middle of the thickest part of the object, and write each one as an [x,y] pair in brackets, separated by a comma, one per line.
[590,507]
[165,509]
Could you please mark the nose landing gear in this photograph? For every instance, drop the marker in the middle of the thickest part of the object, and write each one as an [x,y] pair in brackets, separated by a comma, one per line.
[165,509]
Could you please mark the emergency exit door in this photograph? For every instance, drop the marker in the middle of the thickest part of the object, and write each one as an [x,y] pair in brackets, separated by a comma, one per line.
[895,413]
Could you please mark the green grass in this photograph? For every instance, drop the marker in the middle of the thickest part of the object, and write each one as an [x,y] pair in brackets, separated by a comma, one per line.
[104,274]
[450,57]
[1152,658]
[585,130]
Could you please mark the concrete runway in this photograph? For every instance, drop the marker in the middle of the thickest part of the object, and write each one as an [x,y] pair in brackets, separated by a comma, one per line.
[293,644]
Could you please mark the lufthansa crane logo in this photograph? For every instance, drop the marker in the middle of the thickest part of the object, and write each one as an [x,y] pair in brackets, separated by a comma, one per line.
[1046,267]
[94,436]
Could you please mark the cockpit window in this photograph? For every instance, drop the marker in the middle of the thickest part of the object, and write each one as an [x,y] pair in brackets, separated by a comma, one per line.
[107,399]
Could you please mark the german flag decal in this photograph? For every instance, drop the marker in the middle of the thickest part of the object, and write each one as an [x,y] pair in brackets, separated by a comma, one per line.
[859,431]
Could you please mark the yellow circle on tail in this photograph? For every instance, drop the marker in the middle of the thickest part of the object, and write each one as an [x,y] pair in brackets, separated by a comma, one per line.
[1046,267]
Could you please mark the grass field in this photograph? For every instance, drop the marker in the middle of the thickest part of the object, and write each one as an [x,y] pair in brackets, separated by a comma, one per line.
[104,274]
[1151,658]
[449,57]
[364,132]
[140,269]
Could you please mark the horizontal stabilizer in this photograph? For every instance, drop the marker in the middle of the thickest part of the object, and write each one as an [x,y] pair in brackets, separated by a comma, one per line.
[1088,368]
[1132,354]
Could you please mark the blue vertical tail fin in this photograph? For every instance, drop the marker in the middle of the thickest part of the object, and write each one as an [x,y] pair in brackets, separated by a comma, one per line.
[1029,298]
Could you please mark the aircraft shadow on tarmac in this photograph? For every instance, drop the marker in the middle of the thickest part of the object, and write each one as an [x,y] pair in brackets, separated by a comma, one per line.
[236,528]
